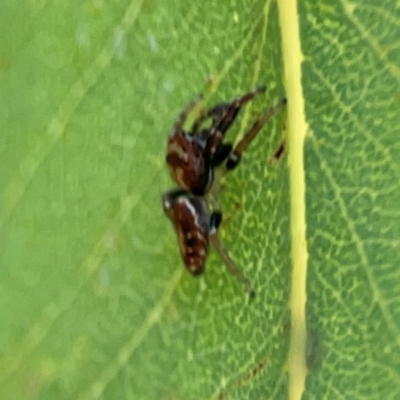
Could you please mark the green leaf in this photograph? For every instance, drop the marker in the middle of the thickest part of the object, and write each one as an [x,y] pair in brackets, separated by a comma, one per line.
[351,80]
[95,302]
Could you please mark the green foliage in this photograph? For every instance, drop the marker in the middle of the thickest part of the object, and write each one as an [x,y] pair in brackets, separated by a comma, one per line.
[94,299]
[351,86]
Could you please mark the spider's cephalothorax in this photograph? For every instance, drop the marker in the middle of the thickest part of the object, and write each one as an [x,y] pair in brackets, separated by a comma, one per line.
[192,157]
[189,162]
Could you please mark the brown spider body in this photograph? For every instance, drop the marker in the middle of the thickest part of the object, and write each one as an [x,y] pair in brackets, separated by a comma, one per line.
[191,158]
[188,166]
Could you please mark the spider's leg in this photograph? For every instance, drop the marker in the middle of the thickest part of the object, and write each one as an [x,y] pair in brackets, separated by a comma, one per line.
[226,115]
[214,138]
[221,154]
[279,151]
[234,157]
[223,115]
[216,114]
[215,152]
[178,125]
[215,221]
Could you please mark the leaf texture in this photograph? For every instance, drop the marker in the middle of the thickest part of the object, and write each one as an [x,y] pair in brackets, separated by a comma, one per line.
[94,299]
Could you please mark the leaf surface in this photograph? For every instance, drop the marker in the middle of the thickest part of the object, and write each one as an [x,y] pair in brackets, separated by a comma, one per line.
[94,299]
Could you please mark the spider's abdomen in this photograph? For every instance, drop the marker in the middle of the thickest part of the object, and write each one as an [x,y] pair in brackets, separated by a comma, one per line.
[186,163]
[190,219]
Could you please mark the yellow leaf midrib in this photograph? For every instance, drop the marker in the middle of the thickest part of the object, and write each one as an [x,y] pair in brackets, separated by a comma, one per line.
[296,128]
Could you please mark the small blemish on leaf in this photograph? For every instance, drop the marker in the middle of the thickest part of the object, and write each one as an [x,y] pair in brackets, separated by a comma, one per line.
[246,378]
[119,43]
[153,43]
[104,276]
[82,37]
[97,5]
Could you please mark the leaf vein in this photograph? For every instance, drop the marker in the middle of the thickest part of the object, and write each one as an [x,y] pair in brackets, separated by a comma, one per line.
[380,52]
[377,293]
[361,127]
[24,174]
[106,376]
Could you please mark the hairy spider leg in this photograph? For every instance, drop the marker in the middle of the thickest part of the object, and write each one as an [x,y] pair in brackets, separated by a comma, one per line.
[223,115]
[214,140]
[236,154]
[215,221]
[216,114]
[221,154]
[178,126]
[228,112]
[279,151]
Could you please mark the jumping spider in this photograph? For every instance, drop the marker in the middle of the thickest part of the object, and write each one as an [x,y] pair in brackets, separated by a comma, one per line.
[192,158]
